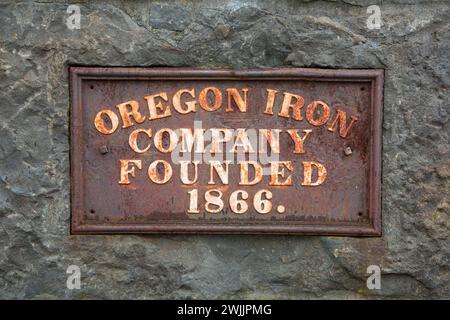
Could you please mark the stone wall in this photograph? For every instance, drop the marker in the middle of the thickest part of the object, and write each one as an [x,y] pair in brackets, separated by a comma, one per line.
[412,45]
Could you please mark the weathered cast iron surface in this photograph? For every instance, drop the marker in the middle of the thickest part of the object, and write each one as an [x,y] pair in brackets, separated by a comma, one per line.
[105,199]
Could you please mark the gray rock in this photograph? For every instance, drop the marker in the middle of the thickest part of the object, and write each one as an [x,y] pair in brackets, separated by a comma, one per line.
[35,52]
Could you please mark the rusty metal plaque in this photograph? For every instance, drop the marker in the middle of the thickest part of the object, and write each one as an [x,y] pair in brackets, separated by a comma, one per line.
[278,151]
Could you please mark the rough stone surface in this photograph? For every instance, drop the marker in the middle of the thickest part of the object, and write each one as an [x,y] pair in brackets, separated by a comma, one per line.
[36,48]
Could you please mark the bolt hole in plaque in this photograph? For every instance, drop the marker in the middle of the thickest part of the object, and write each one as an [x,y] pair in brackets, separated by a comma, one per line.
[278,151]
